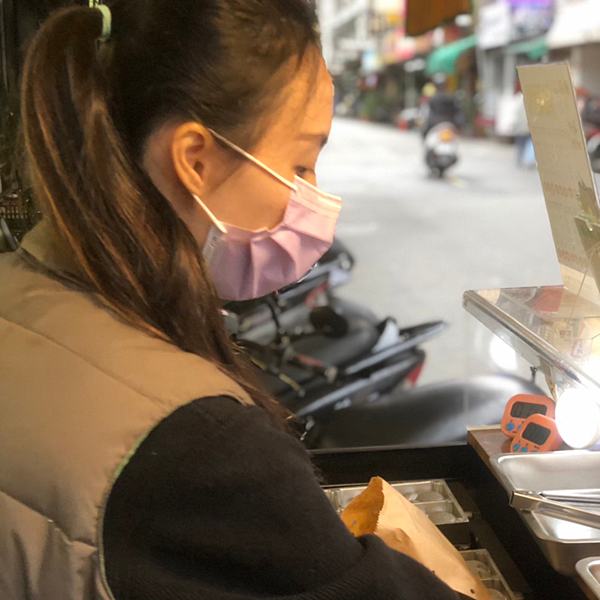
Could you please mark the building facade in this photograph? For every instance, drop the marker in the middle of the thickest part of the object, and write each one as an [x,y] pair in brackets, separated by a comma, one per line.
[510,33]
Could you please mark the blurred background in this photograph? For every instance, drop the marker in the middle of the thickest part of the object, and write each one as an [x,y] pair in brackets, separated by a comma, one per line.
[422,232]
[421,241]
[381,70]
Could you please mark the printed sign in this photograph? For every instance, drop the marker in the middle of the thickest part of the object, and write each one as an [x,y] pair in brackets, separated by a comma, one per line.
[564,166]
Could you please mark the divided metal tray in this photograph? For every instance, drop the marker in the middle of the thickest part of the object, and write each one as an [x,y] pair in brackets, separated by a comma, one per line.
[489,574]
[433,497]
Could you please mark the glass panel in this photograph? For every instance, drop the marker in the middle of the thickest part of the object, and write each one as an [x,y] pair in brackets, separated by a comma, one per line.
[551,327]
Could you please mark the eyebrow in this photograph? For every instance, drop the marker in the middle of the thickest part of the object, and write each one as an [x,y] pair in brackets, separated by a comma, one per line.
[323,137]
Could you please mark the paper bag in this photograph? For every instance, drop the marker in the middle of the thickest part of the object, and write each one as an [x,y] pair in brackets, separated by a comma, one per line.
[381,510]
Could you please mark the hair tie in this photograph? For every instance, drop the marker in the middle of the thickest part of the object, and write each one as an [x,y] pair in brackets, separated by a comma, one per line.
[106,20]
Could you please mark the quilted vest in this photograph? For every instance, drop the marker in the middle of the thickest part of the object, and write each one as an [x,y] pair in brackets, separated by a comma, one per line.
[79,392]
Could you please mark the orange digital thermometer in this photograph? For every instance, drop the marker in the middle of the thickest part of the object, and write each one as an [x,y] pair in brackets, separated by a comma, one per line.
[538,434]
[520,408]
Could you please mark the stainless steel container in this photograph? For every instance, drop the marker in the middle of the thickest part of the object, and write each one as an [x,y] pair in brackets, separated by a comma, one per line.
[563,543]
[589,570]
[433,497]
[502,591]
[491,577]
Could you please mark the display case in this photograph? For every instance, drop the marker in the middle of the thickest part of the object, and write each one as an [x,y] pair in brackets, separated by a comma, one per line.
[558,333]
[496,536]
[555,330]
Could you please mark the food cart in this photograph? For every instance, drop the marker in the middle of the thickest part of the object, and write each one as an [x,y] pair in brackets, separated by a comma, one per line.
[533,556]
[528,521]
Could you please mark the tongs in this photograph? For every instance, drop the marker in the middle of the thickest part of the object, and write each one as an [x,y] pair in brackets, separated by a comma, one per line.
[568,505]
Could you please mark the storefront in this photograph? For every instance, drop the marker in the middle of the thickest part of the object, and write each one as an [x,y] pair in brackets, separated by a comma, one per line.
[391,78]
[575,37]
[405,62]
[457,61]
[509,34]
[516,55]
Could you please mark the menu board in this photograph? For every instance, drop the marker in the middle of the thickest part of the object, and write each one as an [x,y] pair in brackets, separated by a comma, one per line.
[564,167]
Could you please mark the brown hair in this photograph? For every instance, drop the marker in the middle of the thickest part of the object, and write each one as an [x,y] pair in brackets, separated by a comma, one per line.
[87,111]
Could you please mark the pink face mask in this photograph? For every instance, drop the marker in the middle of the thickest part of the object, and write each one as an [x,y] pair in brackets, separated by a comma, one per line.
[250,264]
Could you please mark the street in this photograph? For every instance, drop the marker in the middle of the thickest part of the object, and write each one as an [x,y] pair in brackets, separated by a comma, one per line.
[420,243]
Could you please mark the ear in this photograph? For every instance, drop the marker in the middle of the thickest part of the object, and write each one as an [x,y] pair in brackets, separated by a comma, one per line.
[191,148]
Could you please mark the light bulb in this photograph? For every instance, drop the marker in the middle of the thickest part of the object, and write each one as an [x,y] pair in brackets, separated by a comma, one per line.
[578,418]
[503,355]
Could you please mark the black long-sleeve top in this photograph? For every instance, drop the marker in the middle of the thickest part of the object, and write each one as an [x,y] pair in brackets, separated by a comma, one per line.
[217,503]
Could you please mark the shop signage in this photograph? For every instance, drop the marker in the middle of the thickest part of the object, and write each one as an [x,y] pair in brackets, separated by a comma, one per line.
[507,21]
[386,14]
[388,6]
[567,179]
[495,25]
[371,62]
[397,48]
[531,18]
[577,22]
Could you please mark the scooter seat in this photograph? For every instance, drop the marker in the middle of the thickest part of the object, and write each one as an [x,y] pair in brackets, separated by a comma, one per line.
[434,414]
[359,340]
[337,352]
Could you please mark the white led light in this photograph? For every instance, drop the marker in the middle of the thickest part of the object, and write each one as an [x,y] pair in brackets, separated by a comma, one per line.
[578,418]
[503,355]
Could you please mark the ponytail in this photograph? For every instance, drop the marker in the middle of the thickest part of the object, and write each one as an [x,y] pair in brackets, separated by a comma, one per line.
[131,247]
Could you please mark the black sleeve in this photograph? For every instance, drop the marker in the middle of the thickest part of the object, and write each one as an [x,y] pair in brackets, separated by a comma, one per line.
[217,503]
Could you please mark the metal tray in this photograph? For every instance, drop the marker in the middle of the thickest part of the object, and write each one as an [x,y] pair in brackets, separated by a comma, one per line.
[494,580]
[589,570]
[499,585]
[482,556]
[457,531]
[563,543]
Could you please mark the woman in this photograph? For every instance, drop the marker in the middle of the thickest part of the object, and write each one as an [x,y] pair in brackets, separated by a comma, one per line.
[172,145]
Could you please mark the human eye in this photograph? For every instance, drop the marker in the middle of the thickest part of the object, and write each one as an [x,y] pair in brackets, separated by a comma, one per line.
[305,173]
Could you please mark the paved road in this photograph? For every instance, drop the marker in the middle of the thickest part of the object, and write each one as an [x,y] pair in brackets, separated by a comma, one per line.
[420,243]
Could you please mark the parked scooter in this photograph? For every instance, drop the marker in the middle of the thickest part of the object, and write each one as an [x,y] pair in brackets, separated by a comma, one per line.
[339,344]
[340,369]
[351,381]
[325,353]
[340,356]
[435,414]
[441,148]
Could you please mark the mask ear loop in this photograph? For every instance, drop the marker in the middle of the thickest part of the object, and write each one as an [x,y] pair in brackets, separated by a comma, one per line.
[251,158]
[210,215]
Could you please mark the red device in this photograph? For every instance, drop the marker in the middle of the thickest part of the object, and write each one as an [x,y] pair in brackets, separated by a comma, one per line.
[520,408]
[538,434]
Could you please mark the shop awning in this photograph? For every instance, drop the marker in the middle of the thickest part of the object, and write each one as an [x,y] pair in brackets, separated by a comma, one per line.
[424,15]
[444,59]
[533,49]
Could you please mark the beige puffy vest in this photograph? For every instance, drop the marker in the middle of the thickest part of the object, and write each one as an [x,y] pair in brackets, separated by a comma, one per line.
[79,391]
